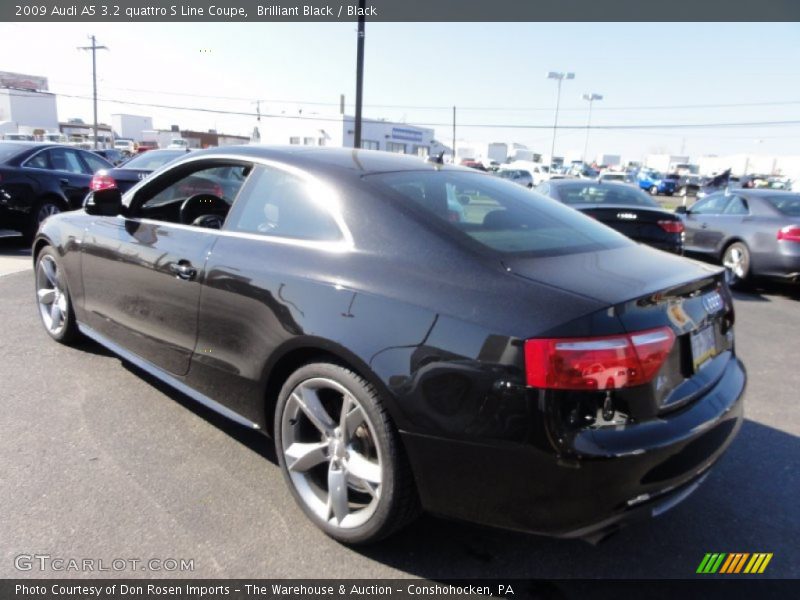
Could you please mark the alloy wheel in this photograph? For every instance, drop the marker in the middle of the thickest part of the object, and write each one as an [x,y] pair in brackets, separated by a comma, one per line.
[330,452]
[47,209]
[53,300]
[735,262]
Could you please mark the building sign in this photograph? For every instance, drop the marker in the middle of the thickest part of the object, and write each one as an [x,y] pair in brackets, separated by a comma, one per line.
[401,133]
[22,82]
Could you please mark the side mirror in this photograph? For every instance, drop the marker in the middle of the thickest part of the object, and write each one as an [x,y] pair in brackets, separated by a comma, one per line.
[104,203]
[681,210]
[464,199]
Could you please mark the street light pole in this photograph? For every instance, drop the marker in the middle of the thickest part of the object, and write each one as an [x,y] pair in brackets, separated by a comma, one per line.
[590,97]
[559,76]
[94,48]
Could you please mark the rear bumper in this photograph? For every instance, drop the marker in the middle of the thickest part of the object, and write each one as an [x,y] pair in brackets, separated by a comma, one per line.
[612,476]
[783,264]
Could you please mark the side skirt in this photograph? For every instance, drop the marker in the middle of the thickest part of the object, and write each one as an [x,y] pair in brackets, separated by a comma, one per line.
[162,375]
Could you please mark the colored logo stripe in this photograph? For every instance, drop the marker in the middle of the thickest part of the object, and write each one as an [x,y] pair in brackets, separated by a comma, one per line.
[724,563]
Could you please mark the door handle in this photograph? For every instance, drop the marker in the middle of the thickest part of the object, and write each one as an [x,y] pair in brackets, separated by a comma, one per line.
[63,181]
[183,269]
[704,226]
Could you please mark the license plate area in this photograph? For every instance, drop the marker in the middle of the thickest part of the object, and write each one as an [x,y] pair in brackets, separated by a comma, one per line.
[703,346]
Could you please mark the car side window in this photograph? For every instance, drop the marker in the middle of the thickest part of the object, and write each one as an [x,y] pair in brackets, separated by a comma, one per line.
[280,204]
[40,161]
[67,160]
[201,196]
[712,205]
[737,206]
[93,162]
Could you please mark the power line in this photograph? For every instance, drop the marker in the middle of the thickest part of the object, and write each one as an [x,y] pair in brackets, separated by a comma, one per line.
[620,127]
[470,108]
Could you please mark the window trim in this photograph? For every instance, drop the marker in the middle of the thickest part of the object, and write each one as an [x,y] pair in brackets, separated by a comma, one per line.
[334,207]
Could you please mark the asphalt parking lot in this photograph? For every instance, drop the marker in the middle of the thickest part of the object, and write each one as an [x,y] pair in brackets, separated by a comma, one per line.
[101,462]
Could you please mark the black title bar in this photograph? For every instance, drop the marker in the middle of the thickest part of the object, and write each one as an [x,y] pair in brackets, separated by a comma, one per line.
[400,10]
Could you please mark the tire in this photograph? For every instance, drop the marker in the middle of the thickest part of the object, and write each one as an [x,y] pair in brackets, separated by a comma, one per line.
[654,190]
[44,208]
[53,299]
[360,455]
[736,260]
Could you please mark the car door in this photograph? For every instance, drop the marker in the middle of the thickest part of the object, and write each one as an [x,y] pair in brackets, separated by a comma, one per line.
[705,225]
[73,176]
[260,290]
[142,273]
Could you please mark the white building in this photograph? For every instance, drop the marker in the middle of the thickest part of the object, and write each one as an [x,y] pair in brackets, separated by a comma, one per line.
[26,104]
[339,131]
[131,127]
[751,164]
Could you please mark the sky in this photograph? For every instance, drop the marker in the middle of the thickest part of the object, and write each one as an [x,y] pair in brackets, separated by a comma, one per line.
[494,73]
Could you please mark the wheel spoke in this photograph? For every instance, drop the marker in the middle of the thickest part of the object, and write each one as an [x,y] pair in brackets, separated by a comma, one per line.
[337,493]
[309,402]
[46,296]
[370,488]
[302,457]
[352,417]
[364,469]
[55,315]
[50,272]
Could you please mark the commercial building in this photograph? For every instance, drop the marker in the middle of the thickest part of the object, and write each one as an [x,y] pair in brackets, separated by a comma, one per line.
[25,104]
[131,127]
[339,131]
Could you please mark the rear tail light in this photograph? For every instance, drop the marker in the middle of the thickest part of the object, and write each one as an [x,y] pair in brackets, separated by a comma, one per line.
[790,233]
[671,226]
[598,363]
[102,181]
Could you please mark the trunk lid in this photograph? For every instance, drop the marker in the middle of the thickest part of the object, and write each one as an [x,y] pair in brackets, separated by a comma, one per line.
[647,289]
[633,221]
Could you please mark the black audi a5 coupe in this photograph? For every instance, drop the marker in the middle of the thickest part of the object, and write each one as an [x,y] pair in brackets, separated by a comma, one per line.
[38,180]
[624,207]
[523,366]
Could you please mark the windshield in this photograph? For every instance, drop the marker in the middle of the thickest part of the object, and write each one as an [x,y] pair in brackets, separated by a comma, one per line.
[787,204]
[152,160]
[500,215]
[583,193]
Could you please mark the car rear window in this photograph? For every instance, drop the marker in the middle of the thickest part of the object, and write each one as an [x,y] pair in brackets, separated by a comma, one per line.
[788,204]
[9,150]
[499,215]
[604,194]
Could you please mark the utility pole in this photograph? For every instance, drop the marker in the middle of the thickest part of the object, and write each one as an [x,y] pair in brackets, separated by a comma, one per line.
[454,135]
[94,48]
[359,72]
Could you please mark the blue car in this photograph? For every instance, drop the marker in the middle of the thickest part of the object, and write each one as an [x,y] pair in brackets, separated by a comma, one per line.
[656,183]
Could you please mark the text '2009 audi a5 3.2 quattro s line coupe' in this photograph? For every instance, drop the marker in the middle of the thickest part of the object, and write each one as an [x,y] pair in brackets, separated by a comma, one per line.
[514,363]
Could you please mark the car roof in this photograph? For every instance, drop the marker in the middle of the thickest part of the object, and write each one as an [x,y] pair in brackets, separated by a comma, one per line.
[763,192]
[576,182]
[335,161]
